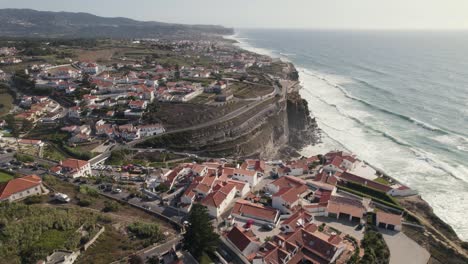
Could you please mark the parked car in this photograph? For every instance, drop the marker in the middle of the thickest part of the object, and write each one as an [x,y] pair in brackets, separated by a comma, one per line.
[268,227]
[117,190]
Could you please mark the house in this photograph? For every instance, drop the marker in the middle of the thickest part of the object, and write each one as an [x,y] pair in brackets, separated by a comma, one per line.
[305,244]
[31,142]
[151,130]
[218,201]
[249,176]
[21,188]
[339,161]
[388,220]
[246,210]
[129,132]
[199,170]
[244,240]
[74,112]
[401,190]
[283,182]
[286,199]
[137,104]
[253,164]
[73,168]
[299,219]
[347,208]
[242,188]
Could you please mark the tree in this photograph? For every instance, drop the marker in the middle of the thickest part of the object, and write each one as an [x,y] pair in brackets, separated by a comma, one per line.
[200,237]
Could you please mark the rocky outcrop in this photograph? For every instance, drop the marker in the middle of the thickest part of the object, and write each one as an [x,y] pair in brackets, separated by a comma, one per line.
[302,127]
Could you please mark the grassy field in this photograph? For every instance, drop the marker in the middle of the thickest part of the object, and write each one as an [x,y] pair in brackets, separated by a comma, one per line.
[52,153]
[4,177]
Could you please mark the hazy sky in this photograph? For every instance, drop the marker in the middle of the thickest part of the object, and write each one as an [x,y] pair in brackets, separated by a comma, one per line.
[325,14]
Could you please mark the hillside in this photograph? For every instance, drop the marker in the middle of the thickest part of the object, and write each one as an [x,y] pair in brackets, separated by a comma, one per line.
[32,23]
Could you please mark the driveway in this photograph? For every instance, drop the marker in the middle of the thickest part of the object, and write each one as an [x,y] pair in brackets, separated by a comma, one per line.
[258,230]
[403,249]
[344,226]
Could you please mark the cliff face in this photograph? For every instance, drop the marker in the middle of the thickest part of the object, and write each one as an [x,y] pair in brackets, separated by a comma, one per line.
[302,128]
[275,128]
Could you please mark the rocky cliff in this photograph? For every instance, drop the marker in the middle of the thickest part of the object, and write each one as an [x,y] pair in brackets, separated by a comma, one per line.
[276,128]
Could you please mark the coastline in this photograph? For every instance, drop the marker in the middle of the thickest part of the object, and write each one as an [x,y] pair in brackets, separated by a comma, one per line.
[437,229]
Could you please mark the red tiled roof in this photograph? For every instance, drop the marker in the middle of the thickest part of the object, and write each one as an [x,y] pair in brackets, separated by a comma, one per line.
[240,237]
[291,194]
[73,163]
[17,185]
[247,209]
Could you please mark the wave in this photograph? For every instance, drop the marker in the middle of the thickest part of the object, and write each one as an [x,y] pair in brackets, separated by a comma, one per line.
[381,109]
[419,153]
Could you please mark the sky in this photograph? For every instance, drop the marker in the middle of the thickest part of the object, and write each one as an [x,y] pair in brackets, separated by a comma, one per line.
[313,14]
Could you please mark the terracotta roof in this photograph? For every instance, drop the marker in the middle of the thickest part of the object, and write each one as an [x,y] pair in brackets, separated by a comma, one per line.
[73,163]
[248,173]
[29,141]
[247,209]
[288,181]
[301,217]
[291,194]
[17,185]
[388,218]
[215,199]
[240,237]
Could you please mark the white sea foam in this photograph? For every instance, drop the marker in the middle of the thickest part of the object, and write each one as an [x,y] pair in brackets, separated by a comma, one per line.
[418,169]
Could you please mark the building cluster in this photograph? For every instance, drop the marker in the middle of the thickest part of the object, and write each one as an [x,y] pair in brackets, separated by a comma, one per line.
[38,109]
[247,200]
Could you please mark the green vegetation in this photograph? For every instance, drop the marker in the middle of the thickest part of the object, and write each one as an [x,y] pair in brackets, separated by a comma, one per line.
[29,233]
[6,99]
[375,249]
[35,199]
[4,177]
[84,202]
[200,238]
[382,180]
[161,188]
[89,191]
[147,231]
[52,153]
[111,206]
[205,259]
[119,157]
[77,153]
[355,257]
[23,158]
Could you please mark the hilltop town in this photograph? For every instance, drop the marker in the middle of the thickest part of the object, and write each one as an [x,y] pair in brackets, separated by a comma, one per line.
[123,142]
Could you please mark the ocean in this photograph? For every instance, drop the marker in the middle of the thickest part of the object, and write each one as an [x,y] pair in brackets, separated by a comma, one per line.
[396,99]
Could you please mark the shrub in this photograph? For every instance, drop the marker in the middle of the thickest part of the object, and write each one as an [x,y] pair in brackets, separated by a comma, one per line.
[148,231]
[161,188]
[111,206]
[23,158]
[84,202]
[89,191]
[35,199]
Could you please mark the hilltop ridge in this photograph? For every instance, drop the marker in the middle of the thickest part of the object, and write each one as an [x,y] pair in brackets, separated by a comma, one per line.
[33,23]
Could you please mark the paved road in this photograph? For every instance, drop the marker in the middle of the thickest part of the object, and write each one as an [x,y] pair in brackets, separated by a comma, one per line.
[403,249]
